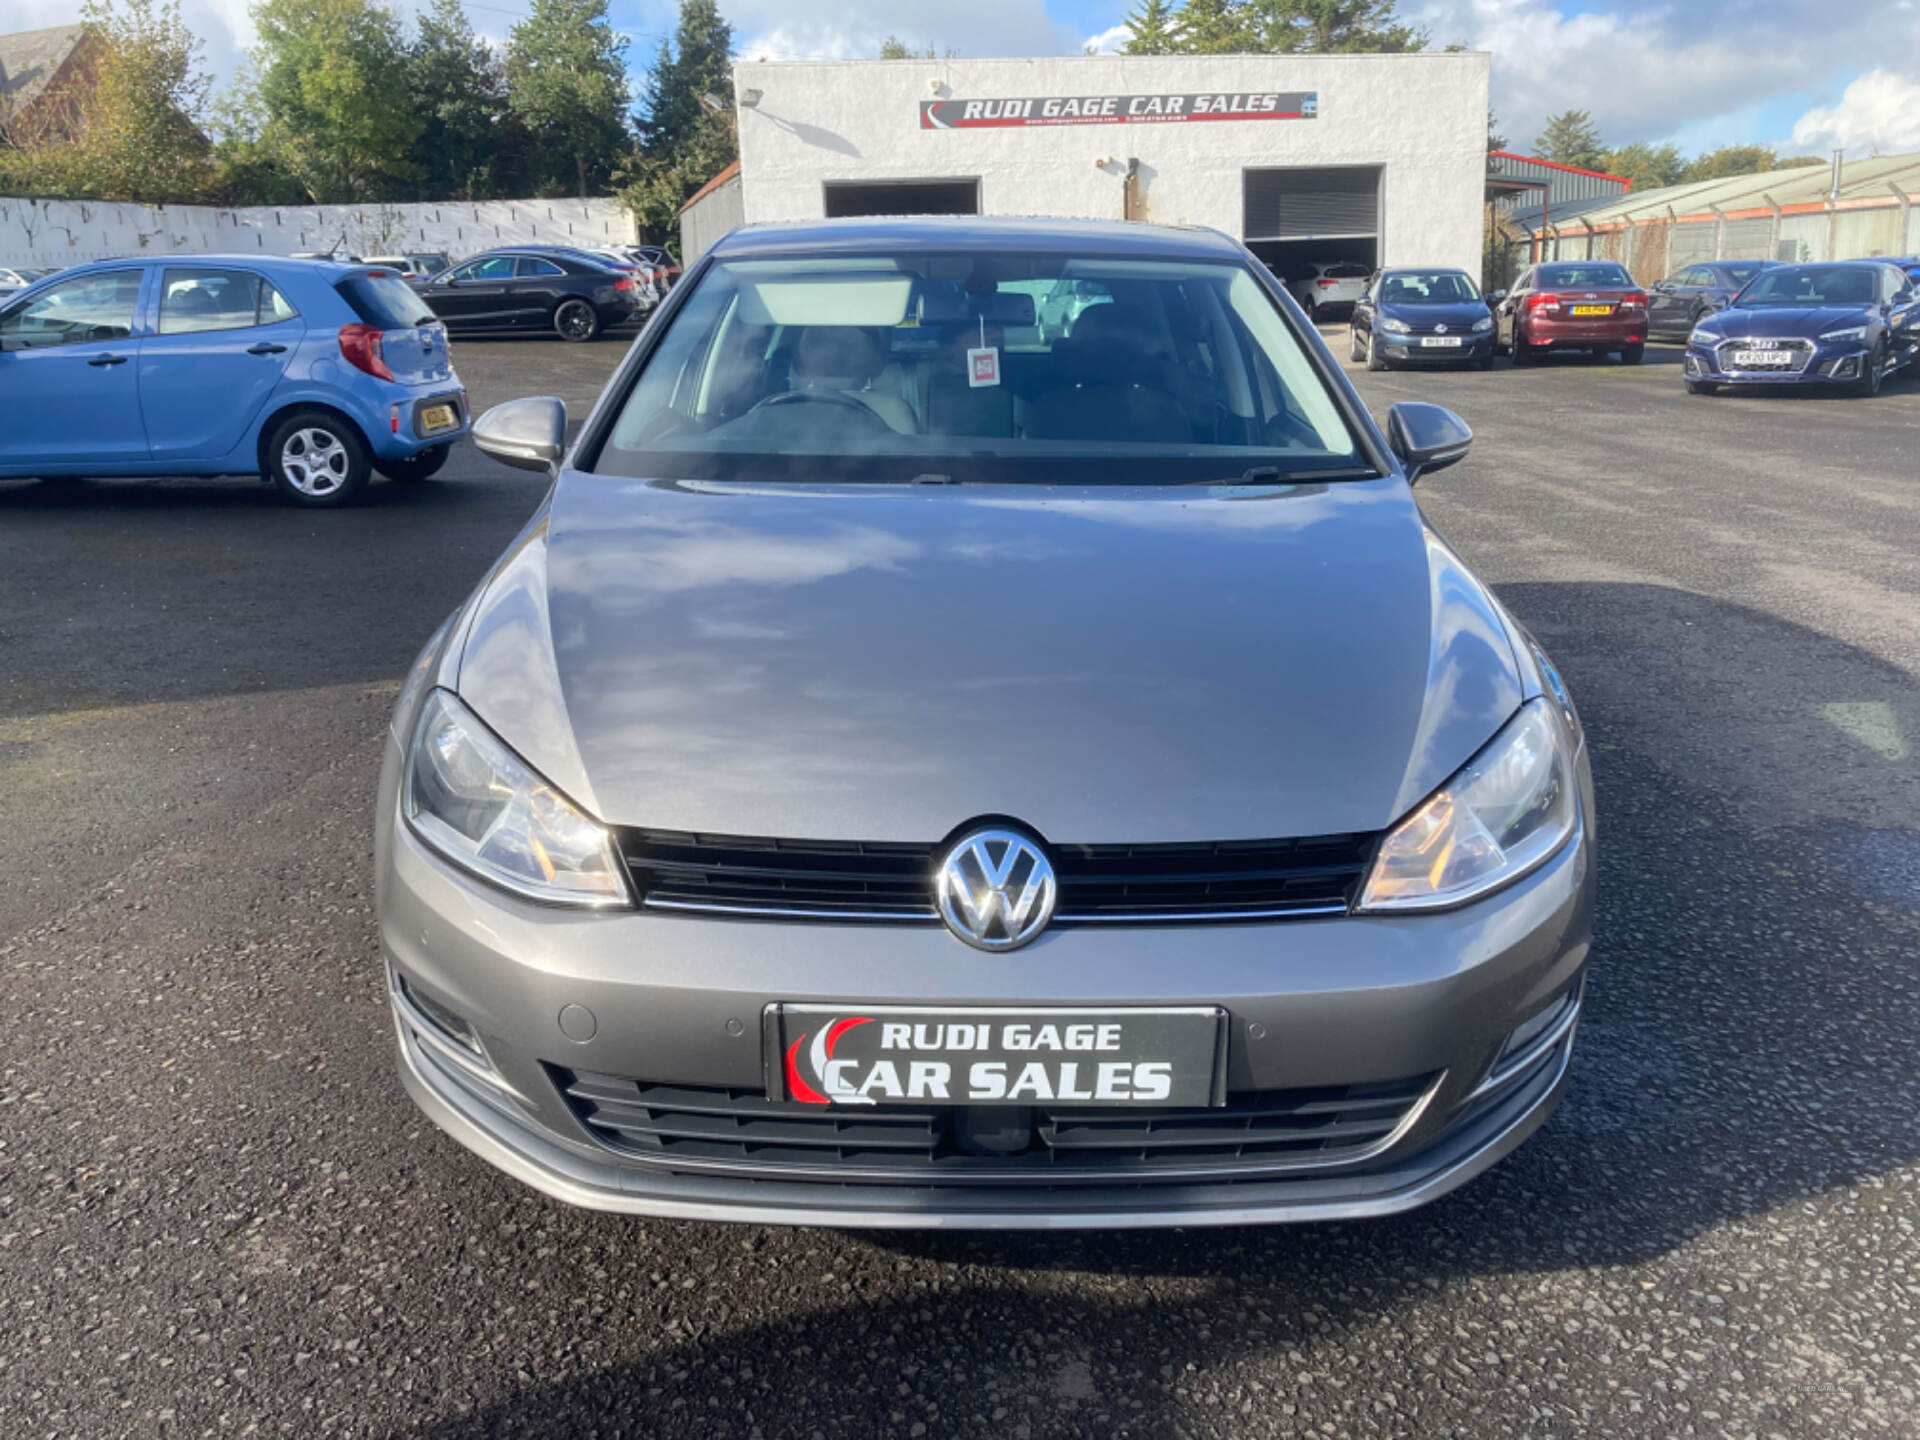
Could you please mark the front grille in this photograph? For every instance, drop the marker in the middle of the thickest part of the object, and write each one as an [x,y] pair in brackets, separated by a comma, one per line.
[708,1129]
[1098,884]
[1800,350]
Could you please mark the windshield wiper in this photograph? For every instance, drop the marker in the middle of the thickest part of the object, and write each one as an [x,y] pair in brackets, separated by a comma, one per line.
[1274,475]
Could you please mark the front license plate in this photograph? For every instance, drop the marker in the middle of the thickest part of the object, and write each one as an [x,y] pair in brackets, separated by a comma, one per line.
[1593,310]
[437,417]
[1754,359]
[1440,342]
[887,1054]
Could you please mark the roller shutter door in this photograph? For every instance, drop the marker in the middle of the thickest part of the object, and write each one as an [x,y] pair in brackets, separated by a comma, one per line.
[1312,204]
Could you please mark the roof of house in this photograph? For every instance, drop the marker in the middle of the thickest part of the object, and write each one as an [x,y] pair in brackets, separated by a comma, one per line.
[1880,180]
[712,185]
[29,59]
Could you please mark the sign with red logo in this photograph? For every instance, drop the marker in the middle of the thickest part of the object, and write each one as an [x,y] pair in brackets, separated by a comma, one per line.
[983,367]
[821,1055]
[1117,110]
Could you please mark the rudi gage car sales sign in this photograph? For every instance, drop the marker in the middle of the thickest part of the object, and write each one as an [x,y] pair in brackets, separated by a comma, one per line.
[1115,110]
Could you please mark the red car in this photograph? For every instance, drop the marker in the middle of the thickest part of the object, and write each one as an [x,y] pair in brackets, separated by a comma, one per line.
[1572,305]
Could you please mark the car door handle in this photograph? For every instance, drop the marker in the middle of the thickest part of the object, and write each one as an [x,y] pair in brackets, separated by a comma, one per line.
[266,348]
[104,360]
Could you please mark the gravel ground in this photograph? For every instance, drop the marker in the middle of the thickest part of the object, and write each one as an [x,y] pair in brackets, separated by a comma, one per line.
[219,1215]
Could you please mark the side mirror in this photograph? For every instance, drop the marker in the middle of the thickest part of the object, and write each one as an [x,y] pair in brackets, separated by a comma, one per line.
[1426,437]
[1494,297]
[526,434]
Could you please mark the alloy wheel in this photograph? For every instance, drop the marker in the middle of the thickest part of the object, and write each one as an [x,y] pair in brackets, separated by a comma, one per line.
[575,320]
[314,462]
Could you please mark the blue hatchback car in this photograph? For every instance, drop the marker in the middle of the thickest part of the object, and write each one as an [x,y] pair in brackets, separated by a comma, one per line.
[311,374]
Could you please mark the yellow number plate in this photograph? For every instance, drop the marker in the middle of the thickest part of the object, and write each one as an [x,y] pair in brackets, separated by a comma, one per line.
[1593,309]
[437,417]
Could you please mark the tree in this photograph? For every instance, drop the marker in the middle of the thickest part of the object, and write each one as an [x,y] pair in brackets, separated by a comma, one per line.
[1571,139]
[1495,140]
[567,82]
[1649,166]
[138,136]
[460,87]
[1731,160]
[682,143]
[1798,162]
[1330,27]
[333,89]
[1152,29]
[1213,27]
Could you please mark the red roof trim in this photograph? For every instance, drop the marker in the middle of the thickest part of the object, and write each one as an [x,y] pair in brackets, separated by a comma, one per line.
[1556,165]
[712,185]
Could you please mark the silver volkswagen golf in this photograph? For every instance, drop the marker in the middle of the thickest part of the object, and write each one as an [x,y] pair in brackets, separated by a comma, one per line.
[979,733]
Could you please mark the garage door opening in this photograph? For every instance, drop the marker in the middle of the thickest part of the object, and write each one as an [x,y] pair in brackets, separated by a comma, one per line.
[903,197]
[1295,219]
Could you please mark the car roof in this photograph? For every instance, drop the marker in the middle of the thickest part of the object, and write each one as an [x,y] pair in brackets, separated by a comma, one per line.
[1423,270]
[973,232]
[255,261]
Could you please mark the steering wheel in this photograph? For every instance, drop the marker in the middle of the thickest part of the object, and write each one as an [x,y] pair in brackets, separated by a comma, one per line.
[820,397]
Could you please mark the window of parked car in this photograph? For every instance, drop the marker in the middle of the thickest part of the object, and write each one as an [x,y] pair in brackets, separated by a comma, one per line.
[493,267]
[1694,276]
[86,308]
[529,266]
[1346,271]
[1428,287]
[197,300]
[1590,273]
[892,367]
[385,301]
[1811,285]
[1741,271]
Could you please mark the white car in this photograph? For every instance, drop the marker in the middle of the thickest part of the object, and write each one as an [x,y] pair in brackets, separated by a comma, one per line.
[14,278]
[1332,283]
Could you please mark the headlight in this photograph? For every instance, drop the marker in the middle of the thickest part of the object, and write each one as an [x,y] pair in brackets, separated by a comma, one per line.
[1395,327]
[1483,324]
[1840,337]
[1705,338]
[483,808]
[1507,812]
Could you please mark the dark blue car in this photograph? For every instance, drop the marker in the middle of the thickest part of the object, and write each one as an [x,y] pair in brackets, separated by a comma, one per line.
[1849,325]
[1693,292]
[310,374]
[1423,315]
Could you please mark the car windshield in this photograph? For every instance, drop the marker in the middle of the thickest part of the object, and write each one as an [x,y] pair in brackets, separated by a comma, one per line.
[1428,287]
[980,367]
[1810,285]
[1577,275]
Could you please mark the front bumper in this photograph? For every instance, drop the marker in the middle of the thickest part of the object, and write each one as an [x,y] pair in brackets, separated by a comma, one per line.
[1824,365]
[1343,1001]
[1407,349]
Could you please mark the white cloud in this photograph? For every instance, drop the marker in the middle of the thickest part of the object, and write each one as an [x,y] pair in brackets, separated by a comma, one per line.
[1649,69]
[1879,112]
[1109,41]
[853,29]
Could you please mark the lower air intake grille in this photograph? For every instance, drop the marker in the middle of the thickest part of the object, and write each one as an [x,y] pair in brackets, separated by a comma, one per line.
[712,1129]
[1099,884]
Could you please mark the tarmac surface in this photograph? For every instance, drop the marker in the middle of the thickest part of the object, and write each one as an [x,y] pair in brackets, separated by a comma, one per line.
[220,1215]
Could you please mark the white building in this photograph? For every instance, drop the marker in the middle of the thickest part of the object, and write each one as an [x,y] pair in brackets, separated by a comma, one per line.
[1374,158]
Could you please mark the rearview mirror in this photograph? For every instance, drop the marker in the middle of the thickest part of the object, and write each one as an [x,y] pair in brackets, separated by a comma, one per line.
[526,434]
[1426,437]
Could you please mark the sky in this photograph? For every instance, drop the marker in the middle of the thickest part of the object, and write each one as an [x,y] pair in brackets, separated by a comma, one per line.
[1804,76]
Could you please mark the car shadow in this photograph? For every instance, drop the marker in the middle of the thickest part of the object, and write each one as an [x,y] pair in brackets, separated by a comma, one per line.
[1743,1050]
